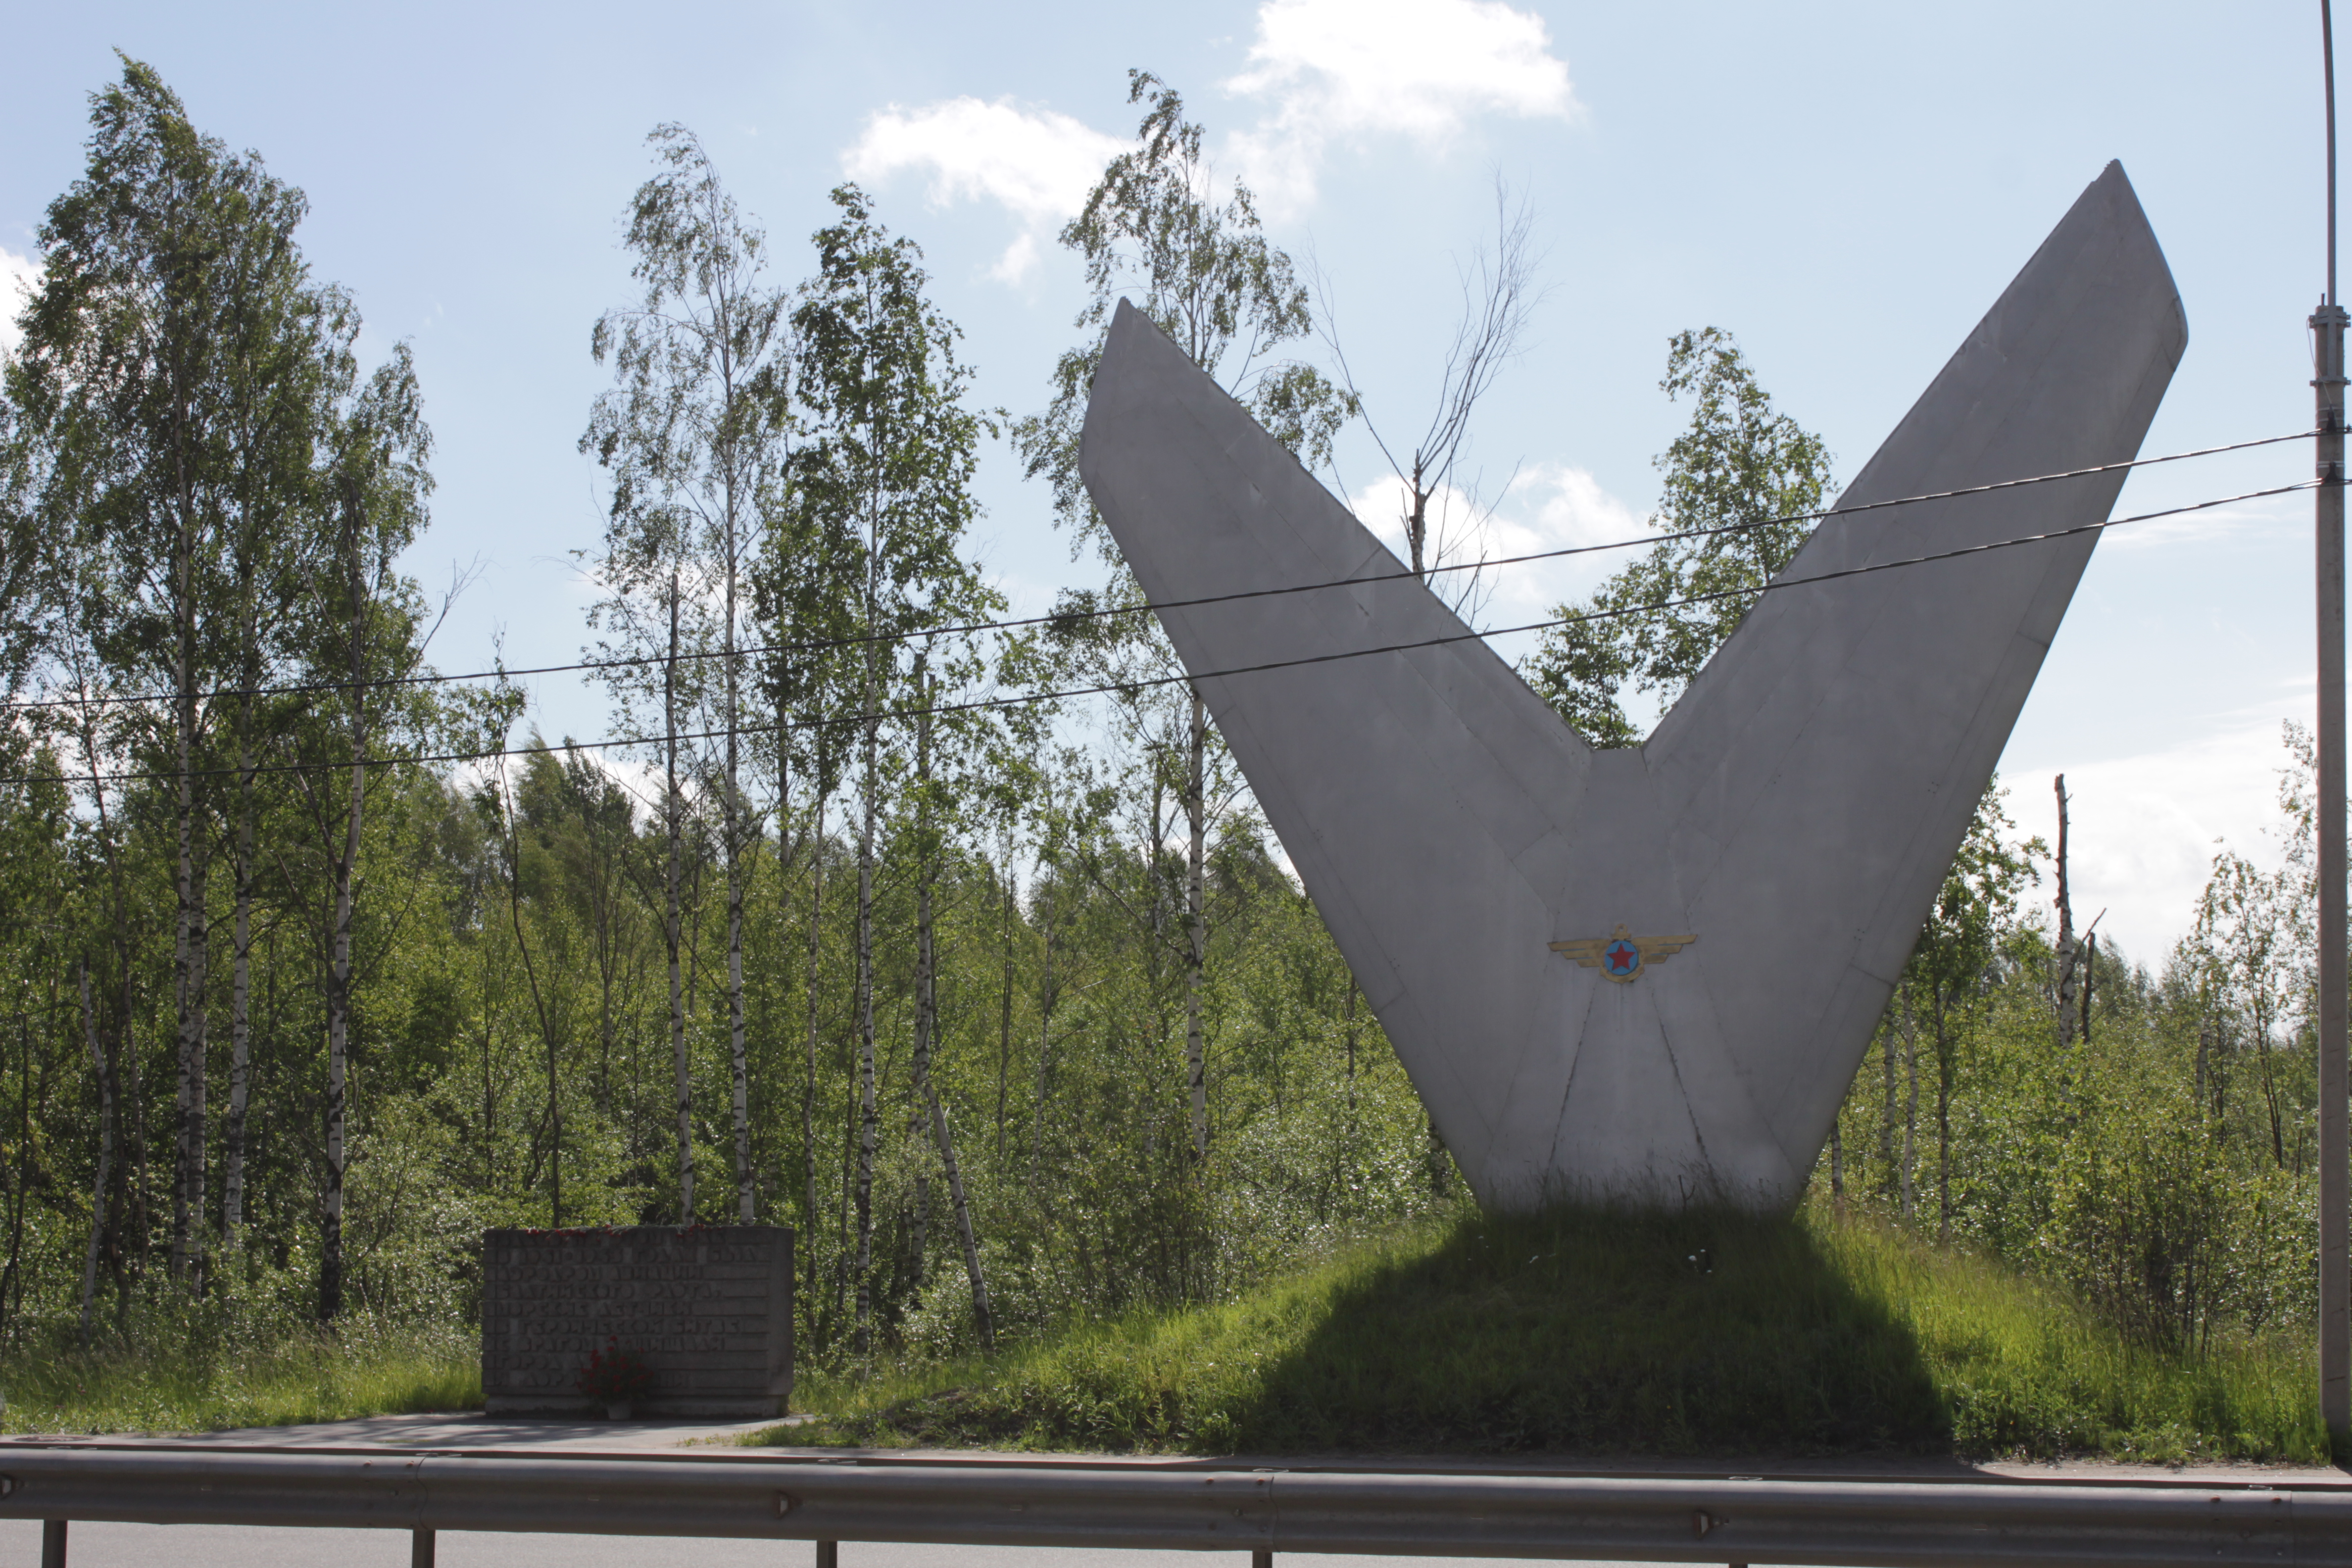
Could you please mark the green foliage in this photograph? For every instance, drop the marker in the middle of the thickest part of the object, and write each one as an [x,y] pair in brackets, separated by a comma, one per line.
[1954,966]
[220,494]
[1591,1331]
[1037,1016]
[1205,274]
[193,1371]
[696,421]
[693,435]
[2159,1164]
[1743,477]
[893,448]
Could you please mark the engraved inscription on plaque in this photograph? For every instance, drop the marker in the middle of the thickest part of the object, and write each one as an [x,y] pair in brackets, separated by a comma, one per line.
[709,1309]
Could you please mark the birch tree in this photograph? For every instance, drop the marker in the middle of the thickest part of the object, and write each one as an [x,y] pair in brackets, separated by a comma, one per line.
[1160,225]
[1440,510]
[889,460]
[943,784]
[1741,466]
[2249,944]
[694,434]
[364,645]
[1954,965]
[291,352]
[808,601]
[102,1184]
[1160,228]
[173,373]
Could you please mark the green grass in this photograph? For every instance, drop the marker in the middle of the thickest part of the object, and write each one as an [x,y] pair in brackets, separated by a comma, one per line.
[177,1382]
[1605,1333]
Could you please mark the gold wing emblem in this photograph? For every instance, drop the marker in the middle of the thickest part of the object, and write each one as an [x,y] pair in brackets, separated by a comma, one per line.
[1620,955]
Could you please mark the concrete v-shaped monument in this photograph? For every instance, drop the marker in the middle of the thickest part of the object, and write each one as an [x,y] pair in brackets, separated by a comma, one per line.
[1648,973]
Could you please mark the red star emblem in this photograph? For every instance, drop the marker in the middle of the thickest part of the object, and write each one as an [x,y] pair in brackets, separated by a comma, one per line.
[1621,956]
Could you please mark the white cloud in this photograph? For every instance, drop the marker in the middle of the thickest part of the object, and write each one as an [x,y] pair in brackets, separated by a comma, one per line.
[2216,525]
[1337,68]
[20,276]
[1380,506]
[1573,510]
[1556,506]
[1324,70]
[1549,506]
[2143,829]
[1036,163]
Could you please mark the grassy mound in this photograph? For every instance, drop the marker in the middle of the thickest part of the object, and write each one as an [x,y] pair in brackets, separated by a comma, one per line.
[1595,1332]
[199,1383]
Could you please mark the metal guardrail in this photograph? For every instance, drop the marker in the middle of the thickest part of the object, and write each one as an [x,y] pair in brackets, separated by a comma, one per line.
[1849,1523]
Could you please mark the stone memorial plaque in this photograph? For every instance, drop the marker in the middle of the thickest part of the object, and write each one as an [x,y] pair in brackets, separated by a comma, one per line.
[709,1309]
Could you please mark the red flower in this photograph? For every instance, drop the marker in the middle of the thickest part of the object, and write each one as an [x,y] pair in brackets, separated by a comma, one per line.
[614,1375]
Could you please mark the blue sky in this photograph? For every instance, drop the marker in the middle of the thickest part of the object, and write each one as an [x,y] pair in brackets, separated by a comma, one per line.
[1846,187]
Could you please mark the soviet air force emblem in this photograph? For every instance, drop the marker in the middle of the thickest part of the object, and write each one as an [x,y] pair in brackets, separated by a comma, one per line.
[1619,955]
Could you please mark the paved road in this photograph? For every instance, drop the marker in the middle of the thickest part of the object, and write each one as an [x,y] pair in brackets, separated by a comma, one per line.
[100,1545]
[472,1429]
[230,1546]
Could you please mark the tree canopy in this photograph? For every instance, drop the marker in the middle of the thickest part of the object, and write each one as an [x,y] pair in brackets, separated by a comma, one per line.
[1001,996]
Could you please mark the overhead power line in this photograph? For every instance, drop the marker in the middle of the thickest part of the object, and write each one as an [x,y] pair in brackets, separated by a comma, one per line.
[818,644]
[1148,683]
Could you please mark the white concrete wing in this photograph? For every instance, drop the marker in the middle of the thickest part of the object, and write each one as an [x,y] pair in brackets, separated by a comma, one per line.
[1647,973]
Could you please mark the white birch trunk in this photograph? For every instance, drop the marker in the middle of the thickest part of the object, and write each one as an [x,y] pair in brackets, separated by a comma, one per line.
[2067,955]
[808,1101]
[1045,1026]
[867,1130]
[339,991]
[984,1318]
[1943,1125]
[1886,1166]
[1910,1112]
[99,1186]
[240,1015]
[671,810]
[1005,1012]
[739,1056]
[927,1023]
[188,944]
[1196,931]
[1351,1058]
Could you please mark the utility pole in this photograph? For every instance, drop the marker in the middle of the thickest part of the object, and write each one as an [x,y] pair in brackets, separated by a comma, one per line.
[2328,325]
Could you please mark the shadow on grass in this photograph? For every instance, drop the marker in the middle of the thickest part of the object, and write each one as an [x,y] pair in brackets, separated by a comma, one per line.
[1593,1330]
[1578,1330]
